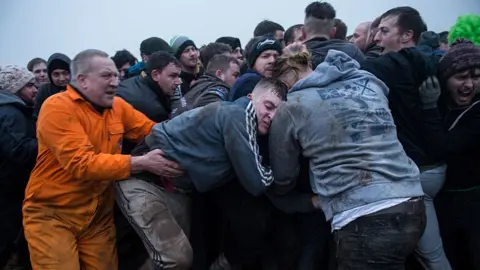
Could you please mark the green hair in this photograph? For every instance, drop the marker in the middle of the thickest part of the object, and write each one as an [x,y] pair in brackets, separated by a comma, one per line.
[467,26]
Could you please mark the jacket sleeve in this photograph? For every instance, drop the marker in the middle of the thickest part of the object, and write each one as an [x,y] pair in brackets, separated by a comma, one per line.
[135,123]
[15,144]
[211,95]
[60,130]
[42,95]
[243,150]
[284,151]
[457,141]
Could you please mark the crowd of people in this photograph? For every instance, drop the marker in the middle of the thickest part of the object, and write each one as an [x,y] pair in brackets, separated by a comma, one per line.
[307,149]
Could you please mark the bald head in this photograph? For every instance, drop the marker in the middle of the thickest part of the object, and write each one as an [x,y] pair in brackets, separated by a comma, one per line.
[361,35]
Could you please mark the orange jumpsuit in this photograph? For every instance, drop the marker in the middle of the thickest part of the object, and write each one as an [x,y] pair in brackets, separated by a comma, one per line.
[67,212]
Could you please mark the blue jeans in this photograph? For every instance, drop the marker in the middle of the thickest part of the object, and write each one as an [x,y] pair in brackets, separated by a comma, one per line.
[430,251]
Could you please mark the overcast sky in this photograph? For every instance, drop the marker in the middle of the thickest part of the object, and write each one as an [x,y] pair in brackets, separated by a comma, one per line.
[38,28]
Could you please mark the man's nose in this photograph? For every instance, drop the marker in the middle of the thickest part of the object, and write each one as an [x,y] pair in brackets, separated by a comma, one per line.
[377,38]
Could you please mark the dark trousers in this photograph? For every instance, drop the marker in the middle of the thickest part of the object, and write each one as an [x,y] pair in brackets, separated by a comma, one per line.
[382,240]
[255,234]
[459,219]
[10,228]
[314,236]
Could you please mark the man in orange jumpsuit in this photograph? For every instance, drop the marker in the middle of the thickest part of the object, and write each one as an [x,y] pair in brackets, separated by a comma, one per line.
[67,211]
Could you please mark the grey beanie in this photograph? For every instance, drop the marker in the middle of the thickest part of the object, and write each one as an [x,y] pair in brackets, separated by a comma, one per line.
[13,78]
[179,44]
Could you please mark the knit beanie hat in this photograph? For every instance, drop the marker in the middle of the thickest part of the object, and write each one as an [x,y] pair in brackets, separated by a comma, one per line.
[232,41]
[430,39]
[14,78]
[154,44]
[463,55]
[179,44]
[260,44]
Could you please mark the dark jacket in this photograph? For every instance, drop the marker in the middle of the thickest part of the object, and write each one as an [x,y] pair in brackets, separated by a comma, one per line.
[319,48]
[18,145]
[372,51]
[244,85]
[147,97]
[187,79]
[49,89]
[215,144]
[457,130]
[403,72]
[206,90]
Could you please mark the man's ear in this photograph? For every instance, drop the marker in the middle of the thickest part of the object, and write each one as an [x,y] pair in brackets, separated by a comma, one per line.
[81,80]
[144,57]
[219,74]
[154,75]
[407,36]
[304,34]
[250,96]
[333,32]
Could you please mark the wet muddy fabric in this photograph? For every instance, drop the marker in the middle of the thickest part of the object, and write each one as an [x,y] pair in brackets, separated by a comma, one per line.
[161,219]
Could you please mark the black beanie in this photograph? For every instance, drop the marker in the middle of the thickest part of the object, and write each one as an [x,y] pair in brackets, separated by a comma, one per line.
[154,44]
[232,41]
[259,45]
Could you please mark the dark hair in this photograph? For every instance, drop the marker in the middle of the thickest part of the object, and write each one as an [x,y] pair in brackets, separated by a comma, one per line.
[320,10]
[341,32]
[267,27]
[275,85]
[408,19]
[160,60]
[212,49]
[443,37]
[122,57]
[319,18]
[289,34]
[35,61]
[220,62]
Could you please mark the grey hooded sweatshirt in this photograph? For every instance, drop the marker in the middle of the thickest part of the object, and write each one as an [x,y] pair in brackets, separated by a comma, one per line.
[338,118]
[214,144]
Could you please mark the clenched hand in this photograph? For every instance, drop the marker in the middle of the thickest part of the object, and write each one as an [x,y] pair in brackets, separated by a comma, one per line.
[156,163]
[429,92]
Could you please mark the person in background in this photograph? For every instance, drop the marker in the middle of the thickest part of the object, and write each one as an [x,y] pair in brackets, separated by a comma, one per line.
[375,206]
[443,37]
[18,152]
[215,48]
[58,68]
[68,206]
[269,28]
[38,67]
[363,38]
[187,53]
[318,31]
[403,68]
[293,34]
[236,46]
[222,72]
[261,54]
[340,30]
[123,61]
[453,104]
[147,48]
[150,95]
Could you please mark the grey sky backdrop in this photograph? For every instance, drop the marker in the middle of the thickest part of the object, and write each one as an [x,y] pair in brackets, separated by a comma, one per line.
[38,28]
